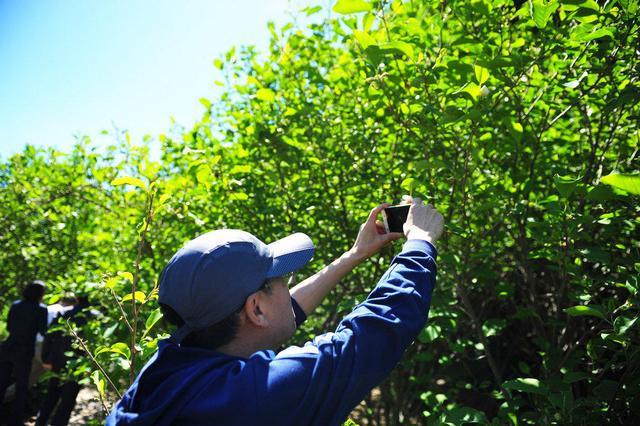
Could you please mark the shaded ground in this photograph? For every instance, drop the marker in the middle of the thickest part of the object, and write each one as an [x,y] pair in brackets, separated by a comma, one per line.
[87,408]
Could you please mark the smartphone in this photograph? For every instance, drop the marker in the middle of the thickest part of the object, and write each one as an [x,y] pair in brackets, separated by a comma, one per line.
[394,217]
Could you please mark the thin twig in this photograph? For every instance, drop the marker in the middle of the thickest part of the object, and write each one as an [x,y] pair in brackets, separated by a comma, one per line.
[134,285]
[124,315]
[95,361]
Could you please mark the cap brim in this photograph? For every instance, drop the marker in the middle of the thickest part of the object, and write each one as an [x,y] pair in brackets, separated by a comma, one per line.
[290,254]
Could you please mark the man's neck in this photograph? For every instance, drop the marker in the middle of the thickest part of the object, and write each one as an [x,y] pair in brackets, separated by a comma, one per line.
[244,345]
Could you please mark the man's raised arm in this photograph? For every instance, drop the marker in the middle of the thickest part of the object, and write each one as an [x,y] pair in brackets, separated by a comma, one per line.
[371,238]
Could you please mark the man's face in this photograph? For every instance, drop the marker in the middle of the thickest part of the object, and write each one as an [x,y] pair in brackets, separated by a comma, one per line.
[279,311]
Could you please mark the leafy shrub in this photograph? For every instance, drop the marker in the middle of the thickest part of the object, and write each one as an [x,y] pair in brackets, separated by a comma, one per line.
[518,120]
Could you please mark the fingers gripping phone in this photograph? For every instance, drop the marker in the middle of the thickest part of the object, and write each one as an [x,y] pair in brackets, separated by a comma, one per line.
[394,217]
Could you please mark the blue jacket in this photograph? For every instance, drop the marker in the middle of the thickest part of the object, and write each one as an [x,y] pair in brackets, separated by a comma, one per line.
[317,384]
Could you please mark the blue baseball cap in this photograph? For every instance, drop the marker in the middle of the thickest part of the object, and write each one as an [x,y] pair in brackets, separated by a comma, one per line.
[212,275]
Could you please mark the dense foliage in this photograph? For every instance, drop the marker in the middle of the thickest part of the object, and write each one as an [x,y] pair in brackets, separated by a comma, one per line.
[518,120]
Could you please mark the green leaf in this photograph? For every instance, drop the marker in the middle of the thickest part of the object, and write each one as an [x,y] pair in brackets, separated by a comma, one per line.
[629,6]
[626,182]
[203,174]
[482,74]
[346,7]
[493,327]
[121,348]
[464,416]
[140,297]
[582,310]
[398,46]
[430,333]
[586,32]
[474,90]
[571,5]
[128,180]
[126,275]
[541,12]
[528,385]
[364,39]
[565,184]
[374,55]
[311,10]
[266,95]
[517,130]
[111,282]
[102,350]
[240,168]
[602,32]
[205,102]
[408,184]
[152,319]
[164,198]
[98,382]
[238,196]
[622,324]
[631,285]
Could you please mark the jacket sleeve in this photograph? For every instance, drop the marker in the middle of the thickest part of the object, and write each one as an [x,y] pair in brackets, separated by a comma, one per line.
[43,320]
[321,382]
[11,321]
[299,314]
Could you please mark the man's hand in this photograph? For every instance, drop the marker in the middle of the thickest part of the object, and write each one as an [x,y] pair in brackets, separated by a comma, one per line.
[372,237]
[423,222]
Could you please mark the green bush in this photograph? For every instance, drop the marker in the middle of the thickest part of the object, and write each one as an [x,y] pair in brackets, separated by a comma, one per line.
[519,121]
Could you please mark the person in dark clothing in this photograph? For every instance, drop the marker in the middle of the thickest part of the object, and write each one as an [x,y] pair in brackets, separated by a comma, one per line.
[27,318]
[56,348]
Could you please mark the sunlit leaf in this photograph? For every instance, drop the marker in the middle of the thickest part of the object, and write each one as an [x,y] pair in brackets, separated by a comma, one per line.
[622,324]
[346,7]
[398,46]
[128,180]
[581,310]
[626,182]
[98,382]
[528,385]
[121,349]
[140,297]
[266,95]
[111,282]
[126,275]
[482,74]
[152,319]
[566,185]
[364,39]
[541,11]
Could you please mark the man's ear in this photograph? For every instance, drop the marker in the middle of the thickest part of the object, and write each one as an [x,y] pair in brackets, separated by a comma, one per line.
[253,312]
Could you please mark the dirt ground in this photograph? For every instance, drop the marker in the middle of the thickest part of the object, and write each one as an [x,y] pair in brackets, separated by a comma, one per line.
[87,408]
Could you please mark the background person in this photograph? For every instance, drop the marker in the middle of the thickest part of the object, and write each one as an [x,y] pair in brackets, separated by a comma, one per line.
[27,318]
[227,292]
[57,347]
[54,310]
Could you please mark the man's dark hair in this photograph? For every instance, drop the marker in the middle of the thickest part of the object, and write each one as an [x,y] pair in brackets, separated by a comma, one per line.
[213,336]
[34,291]
[83,300]
[69,300]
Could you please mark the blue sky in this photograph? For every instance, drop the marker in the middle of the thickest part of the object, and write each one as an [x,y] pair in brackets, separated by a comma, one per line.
[72,67]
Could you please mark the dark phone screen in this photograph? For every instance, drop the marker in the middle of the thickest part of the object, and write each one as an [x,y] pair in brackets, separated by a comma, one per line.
[396,217]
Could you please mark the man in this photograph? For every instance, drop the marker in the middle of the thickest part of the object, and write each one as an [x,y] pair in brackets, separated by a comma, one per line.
[227,290]
[57,350]
[27,317]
